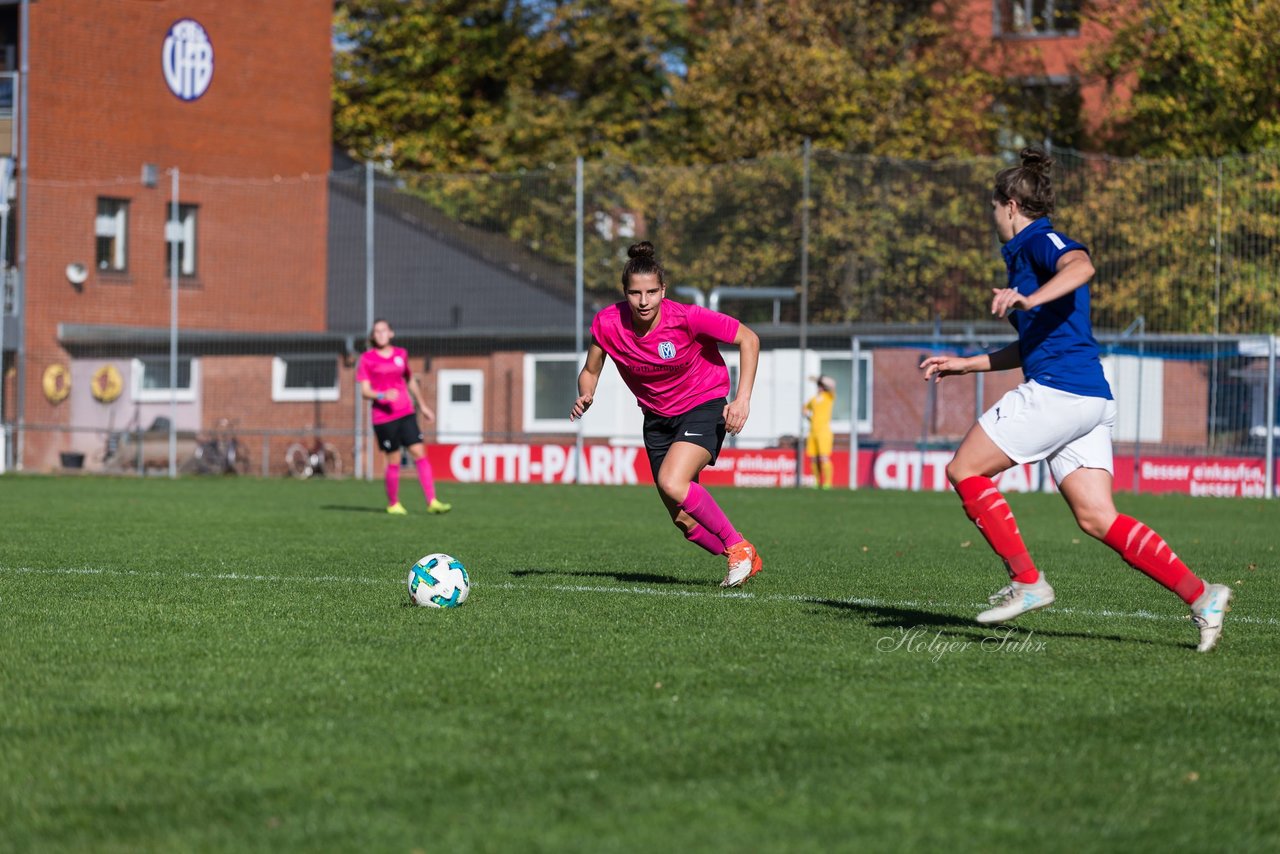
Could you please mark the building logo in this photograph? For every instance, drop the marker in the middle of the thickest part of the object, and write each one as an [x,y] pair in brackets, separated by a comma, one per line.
[187,59]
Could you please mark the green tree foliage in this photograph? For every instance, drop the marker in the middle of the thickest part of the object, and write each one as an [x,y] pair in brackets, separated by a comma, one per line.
[1195,78]
[691,120]
[502,85]
[853,75]
[1189,244]
[423,84]
[598,84]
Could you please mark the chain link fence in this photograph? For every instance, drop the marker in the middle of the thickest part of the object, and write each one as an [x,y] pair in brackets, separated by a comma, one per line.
[489,281]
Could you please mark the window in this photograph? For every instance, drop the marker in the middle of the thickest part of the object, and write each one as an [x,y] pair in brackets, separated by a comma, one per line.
[1037,17]
[304,378]
[183,233]
[151,379]
[6,94]
[1042,111]
[837,367]
[551,385]
[111,229]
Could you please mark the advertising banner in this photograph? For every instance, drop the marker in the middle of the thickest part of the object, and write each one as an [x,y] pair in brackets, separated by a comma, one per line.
[877,469]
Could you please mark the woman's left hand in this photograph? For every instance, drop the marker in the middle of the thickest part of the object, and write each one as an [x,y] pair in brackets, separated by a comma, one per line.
[735,415]
[427,413]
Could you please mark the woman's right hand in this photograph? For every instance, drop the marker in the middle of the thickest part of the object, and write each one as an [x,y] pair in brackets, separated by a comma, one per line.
[937,367]
[580,406]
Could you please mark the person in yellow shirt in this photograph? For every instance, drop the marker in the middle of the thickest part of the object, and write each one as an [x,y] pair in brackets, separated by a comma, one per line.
[818,446]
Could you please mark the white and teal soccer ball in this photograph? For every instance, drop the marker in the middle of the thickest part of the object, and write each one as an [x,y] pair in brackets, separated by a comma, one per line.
[439,581]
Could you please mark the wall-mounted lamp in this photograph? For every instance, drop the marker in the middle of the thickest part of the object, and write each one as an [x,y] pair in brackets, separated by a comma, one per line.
[77,275]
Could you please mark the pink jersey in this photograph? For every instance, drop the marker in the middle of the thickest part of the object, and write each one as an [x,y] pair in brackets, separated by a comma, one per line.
[385,373]
[677,365]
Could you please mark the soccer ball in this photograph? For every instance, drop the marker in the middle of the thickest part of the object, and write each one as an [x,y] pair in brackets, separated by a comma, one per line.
[439,581]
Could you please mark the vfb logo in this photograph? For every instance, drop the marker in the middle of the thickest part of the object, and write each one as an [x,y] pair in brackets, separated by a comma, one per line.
[667,350]
[187,59]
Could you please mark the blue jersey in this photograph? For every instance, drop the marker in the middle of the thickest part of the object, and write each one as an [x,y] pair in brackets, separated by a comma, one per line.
[1055,339]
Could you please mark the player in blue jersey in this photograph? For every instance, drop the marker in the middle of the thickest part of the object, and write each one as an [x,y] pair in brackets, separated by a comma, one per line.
[1063,412]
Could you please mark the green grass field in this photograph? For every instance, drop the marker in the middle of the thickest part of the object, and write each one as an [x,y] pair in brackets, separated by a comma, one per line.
[233,665]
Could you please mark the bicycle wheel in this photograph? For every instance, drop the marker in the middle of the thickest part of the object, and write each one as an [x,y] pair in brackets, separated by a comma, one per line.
[332,461]
[298,460]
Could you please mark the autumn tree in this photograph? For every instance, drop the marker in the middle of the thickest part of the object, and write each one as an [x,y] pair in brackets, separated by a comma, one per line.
[852,75]
[501,85]
[1192,78]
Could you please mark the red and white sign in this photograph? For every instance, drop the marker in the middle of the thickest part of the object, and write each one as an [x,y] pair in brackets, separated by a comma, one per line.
[879,469]
[1230,477]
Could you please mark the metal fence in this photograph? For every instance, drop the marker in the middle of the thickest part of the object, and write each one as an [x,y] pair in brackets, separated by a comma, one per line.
[489,281]
[1186,403]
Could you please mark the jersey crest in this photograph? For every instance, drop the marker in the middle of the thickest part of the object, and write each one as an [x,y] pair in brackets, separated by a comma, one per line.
[667,350]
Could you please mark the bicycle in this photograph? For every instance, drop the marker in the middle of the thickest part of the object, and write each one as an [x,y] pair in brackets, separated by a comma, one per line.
[318,459]
[218,453]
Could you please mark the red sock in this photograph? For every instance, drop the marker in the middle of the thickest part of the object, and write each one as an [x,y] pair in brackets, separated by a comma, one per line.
[1145,550]
[700,536]
[986,507]
[393,483]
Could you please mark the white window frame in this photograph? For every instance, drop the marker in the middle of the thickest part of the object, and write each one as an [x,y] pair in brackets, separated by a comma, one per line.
[115,226]
[160,395]
[280,393]
[1025,9]
[183,232]
[839,417]
[545,425]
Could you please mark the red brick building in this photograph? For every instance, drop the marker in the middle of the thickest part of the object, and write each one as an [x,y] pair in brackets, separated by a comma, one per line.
[1042,47]
[120,93]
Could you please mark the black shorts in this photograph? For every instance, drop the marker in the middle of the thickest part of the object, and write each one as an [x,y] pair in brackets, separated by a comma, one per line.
[703,426]
[401,433]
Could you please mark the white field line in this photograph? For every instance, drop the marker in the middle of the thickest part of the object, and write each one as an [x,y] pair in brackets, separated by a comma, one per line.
[589,588]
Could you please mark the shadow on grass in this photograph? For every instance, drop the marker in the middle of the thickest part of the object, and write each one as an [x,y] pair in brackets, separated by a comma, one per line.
[896,617]
[625,577]
[351,508]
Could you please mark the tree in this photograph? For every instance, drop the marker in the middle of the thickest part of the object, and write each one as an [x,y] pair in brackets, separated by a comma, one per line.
[502,85]
[598,85]
[862,76]
[517,84]
[1193,78]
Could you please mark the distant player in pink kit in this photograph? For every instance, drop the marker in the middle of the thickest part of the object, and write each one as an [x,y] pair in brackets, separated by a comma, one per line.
[668,355]
[385,379]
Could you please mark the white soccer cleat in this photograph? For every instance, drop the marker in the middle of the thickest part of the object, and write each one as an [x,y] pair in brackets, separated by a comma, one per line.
[1017,599]
[1208,611]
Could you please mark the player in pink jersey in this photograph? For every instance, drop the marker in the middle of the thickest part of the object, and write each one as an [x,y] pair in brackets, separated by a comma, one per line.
[668,355]
[385,379]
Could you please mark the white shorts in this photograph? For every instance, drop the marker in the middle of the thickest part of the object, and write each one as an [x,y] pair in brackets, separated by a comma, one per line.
[1034,422]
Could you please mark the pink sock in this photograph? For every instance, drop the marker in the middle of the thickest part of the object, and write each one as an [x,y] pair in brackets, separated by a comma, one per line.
[700,536]
[393,483]
[703,508]
[425,478]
